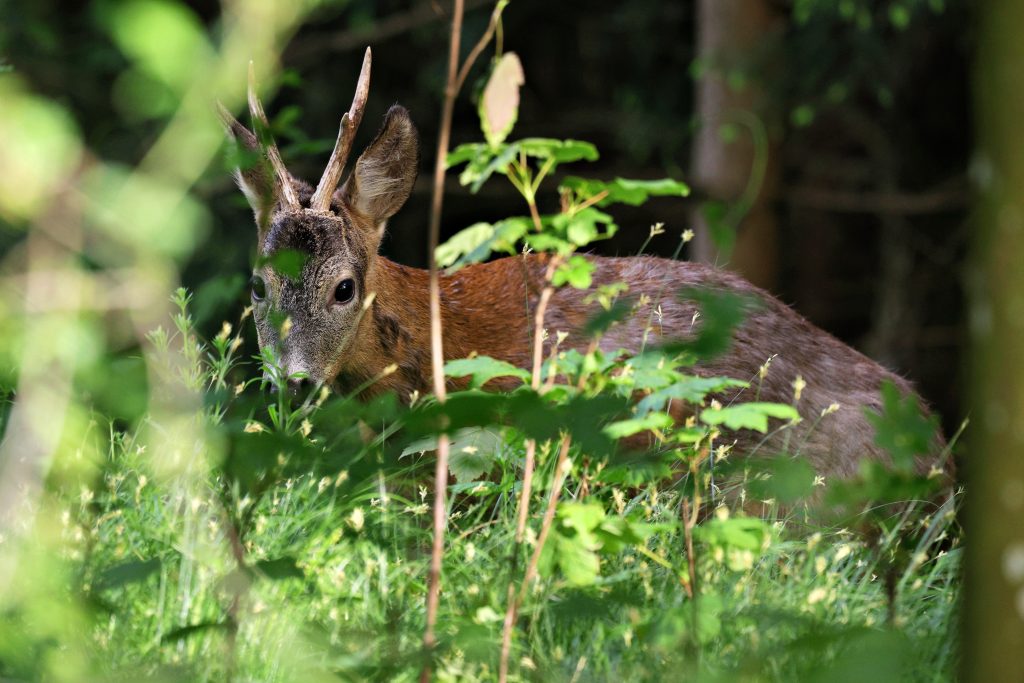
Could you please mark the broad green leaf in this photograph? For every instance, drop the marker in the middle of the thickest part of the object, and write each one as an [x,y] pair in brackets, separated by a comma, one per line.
[279,568]
[624,191]
[786,479]
[579,564]
[548,242]
[901,428]
[688,389]
[499,102]
[583,227]
[466,152]
[287,262]
[473,451]
[483,166]
[577,271]
[583,517]
[561,151]
[617,533]
[483,369]
[622,428]
[132,571]
[748,415]
[476,243]
[165,39]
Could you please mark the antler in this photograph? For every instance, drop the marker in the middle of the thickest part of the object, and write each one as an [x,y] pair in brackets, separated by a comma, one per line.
[259,118]
[321,200]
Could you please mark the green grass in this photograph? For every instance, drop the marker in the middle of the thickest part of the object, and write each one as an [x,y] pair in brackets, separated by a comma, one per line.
[131,568]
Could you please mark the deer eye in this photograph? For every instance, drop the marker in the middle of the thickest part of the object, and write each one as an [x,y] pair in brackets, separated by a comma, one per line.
[259,288]
[345,290]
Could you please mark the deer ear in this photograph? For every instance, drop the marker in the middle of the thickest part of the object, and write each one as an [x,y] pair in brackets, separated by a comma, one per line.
[384,175]
[253,173]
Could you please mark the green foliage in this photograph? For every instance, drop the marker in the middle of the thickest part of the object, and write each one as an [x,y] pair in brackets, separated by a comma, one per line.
[752,415]
[901,428]
[198,522]
[622,191]
[483,369]
[287,262]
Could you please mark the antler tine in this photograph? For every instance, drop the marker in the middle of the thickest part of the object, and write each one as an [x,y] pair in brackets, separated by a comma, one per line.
[260,120]
[346,133]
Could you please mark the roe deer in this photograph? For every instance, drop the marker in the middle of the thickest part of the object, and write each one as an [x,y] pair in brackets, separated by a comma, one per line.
[335,340]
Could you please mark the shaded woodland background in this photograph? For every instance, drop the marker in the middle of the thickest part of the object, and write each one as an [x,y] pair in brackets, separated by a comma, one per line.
[861,222]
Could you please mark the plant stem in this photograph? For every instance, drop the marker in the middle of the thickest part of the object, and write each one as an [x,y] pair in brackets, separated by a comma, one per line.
[531,569]
[531,444]
[436,344]
[455,79]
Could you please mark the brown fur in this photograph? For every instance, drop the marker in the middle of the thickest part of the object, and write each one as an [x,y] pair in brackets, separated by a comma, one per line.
[488,309]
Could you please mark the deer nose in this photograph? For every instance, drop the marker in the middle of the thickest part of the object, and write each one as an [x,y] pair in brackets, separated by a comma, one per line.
[299,385]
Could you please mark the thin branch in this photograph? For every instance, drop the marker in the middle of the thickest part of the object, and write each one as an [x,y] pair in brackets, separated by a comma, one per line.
[436,342]
[531,568]
[531,444]
[453,84]
[481,44]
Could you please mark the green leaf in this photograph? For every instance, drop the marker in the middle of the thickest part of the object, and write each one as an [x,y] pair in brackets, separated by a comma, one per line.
[483,166]
[617,533]
[287,262]
[688,389]
[132,571]
[466,152]
[550,243]
[748,415]
[476,243]
[560,151]
[579,564]
[901,428]
[473,451]
[483,369]
[622,428]
[625,191]
[193,629]
[499,102]
[577,271]
[583,227]
[787,479]
[279,568]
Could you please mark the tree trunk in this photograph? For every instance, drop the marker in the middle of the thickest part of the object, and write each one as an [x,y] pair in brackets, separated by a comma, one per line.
[993,628]
[731,34]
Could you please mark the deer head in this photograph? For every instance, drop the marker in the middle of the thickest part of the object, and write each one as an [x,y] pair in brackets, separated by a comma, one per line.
[312,320]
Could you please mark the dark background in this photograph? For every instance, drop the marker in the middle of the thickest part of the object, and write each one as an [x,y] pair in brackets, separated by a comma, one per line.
[867,109]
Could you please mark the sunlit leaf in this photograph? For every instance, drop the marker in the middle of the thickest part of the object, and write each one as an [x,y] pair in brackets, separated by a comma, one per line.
[286,262]
[623,191]
[577,271]
[748,415]
[622,428]
[482,369]
[560,151]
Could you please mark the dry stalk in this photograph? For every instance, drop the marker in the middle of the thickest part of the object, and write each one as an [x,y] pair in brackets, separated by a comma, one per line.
[538,359]
[531,569]
[453,83]
[436,345]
